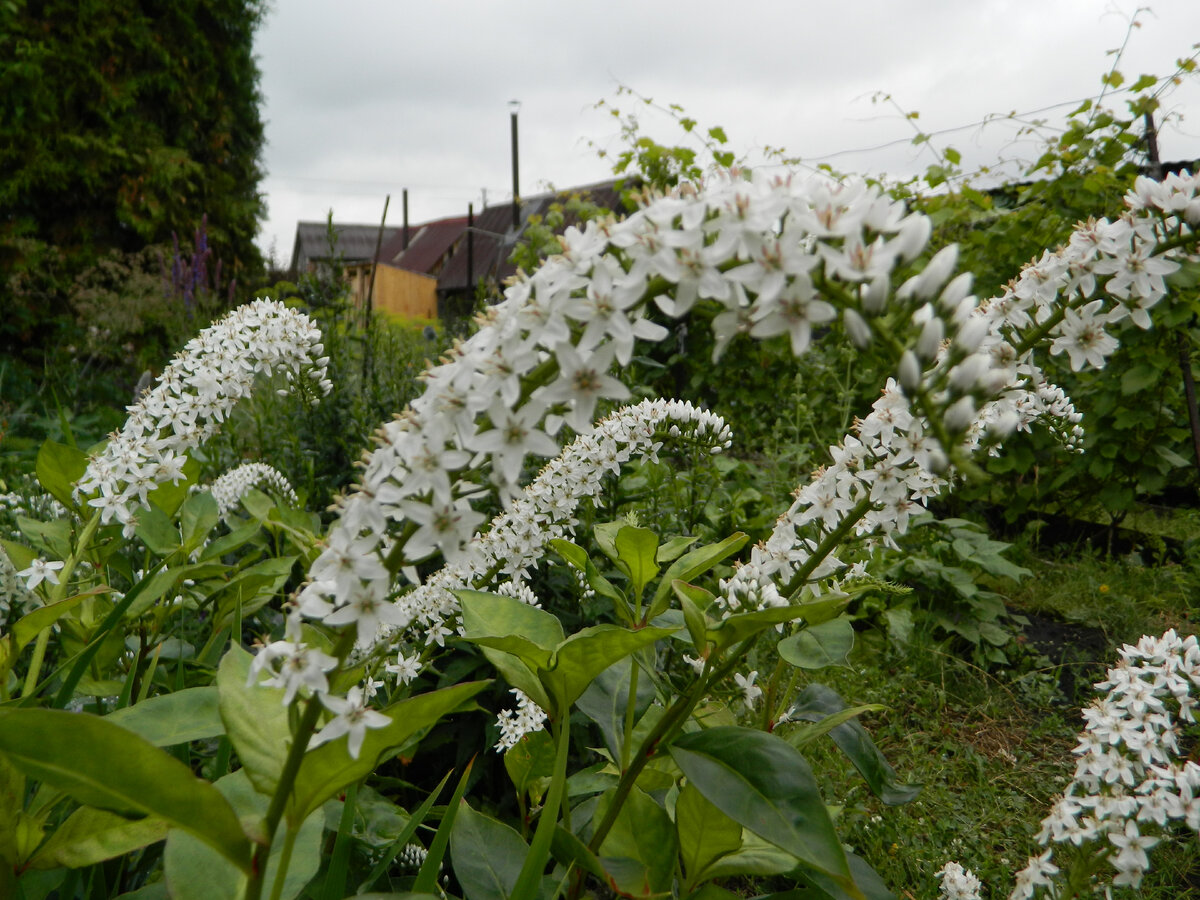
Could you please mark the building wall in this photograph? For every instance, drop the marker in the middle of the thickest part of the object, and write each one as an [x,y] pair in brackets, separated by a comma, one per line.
[397,291]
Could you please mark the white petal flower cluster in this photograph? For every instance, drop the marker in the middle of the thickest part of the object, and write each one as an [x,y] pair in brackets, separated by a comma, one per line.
[958,883]
[1131,779]
[194,395]
[526,719]
[230,488]
[517,539]
[15,596]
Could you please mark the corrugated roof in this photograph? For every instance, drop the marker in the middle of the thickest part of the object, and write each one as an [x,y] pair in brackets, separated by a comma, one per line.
[494,237]
[354,243]
[429,246]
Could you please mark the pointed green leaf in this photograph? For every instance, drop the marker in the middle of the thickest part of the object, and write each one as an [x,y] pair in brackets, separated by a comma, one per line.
[103,765]
[197,517]
[642,833]
[761,782]
[673,548]
[818,646]
[530,760]
[699,561]
[58,467]
[814,704]
[636,549]
[188,715]
[255,720]
[90,836]
[329,768]
[486,855]
[587,653]
[604,701]
[26,628]
[577,557]
[705,833]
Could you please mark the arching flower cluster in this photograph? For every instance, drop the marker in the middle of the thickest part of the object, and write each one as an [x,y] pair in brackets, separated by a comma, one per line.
[194,395]
[517,538]
[1131,779]
[230,488]
[979,377]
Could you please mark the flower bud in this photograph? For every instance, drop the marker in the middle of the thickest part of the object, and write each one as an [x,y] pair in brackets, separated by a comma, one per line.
[958,288]
[875,295]
[961,414]
[910,371]
[971,335]
[857,328]
[931,339]
[935,274]
[913,236]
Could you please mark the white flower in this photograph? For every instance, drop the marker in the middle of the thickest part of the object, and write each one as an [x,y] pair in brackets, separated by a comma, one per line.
[750,691]
[958,883]
[353,718]
[39,570]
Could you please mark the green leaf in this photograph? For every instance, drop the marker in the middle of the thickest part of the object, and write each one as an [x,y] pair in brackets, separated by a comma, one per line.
[818,646]
[90,836]
[529,761]
[577,557]
[1143,82]
[103,765]
[642,833]
[29,626]
[587,653]
[764,784]
[1140,377]
[516,638]
[194,872]
[636,549]
[255,720]
[740,626]
[197,517]
[717,133]
[236,539]
[188,715]
[486,855]
[699,561]
[814,704]
[673,548]
[157,531]
[329,768]
[693,616]
[253,588]
[58,467]
[867,881]
[705,833]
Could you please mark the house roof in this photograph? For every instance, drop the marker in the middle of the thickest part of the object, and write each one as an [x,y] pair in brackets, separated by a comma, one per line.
[428,245]
[354,243]
[495,238]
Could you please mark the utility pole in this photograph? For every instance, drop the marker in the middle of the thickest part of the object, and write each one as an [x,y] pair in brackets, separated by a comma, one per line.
[514,108]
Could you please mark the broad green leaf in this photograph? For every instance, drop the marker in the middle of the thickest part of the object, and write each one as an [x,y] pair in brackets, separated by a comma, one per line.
[818,646]
[570,850]
[12,805]
[605,534]
[756,857]
[58,467]
[705,833]
[169,495]
[253,587]
[237,538]
[673,548]
[103,765]
[26,628]
[487,855]
[197,517]
[329,768]
[194,872]
[693,618]
[157,531]
[488,617]
[90,836]
[255,720]
[52,539]
[870,886]
[764,784]
[699,561]
[188,715]
[529,761]
[636,549]
[587,653]
[801,736]
[643,833]
[816,702]
[740,626]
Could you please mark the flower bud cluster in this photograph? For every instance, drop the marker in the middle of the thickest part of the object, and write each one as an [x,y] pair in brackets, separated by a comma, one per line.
[230,488]
[1132,781]
[193,396]
[514,725]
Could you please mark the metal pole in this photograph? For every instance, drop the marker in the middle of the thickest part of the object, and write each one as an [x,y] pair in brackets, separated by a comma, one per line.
[516,201]
[470,246]
[404,240]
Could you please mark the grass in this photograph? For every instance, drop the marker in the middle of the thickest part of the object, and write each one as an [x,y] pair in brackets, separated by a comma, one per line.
[993,748]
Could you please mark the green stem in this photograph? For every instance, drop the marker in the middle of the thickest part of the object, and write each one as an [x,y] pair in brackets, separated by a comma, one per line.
[57,594]
[287,778]
[630,712]
[285,860]
[530,878]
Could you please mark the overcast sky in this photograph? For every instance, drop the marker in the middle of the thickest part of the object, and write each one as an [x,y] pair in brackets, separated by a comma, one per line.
[367,97]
